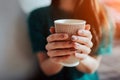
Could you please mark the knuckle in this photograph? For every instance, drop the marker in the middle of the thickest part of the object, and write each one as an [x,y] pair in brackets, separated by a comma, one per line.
[52,36]
[91,45]
[91,36]
[89,32]
[47,38]
[55,52]
[54,44]
[88,51]
[49,53]
[86,40]
[78,38]
[47,47]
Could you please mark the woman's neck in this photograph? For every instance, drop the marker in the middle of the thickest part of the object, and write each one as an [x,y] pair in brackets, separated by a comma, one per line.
[67,7]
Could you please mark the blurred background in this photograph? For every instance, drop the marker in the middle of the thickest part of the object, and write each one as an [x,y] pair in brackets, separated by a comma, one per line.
[16,59]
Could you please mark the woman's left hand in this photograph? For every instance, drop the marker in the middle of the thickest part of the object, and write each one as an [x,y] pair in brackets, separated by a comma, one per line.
[83,43]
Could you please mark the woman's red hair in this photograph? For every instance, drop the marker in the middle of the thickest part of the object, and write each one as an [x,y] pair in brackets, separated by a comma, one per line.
[94,14]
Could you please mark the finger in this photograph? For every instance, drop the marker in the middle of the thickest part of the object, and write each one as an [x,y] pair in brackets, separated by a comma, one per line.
[57,37]
[60,45]
[87,27]
[82,48]
[81,56]
[56,53]
[60,59]
[85,33]
[82,40]
[52,30]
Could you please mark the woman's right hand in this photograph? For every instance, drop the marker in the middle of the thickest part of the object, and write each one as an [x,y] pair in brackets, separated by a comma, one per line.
[59,48]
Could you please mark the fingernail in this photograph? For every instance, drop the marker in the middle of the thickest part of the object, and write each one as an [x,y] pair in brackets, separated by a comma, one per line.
[74,38]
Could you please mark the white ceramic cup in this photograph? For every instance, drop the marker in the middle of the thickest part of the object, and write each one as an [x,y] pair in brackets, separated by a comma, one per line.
[71,27]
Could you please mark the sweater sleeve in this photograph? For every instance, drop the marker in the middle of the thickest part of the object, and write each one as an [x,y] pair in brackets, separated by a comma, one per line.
[36,27]
[106,48]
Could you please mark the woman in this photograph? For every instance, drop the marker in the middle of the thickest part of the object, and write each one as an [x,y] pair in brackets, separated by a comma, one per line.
[52,48]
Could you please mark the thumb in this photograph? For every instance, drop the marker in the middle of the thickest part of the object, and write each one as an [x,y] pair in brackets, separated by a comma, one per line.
[52,30]
[87,27]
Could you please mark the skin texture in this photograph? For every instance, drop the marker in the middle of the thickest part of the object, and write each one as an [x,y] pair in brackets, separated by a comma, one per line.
[81,43]
[88,64]
[59,49]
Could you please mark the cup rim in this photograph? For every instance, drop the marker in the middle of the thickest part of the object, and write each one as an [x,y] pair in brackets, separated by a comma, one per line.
[76,21]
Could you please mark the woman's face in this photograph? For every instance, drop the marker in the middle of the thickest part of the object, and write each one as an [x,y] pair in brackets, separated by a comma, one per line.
[67,5]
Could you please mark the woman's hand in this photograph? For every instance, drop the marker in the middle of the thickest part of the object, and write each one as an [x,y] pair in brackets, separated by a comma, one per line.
[58,47]
[83,43]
